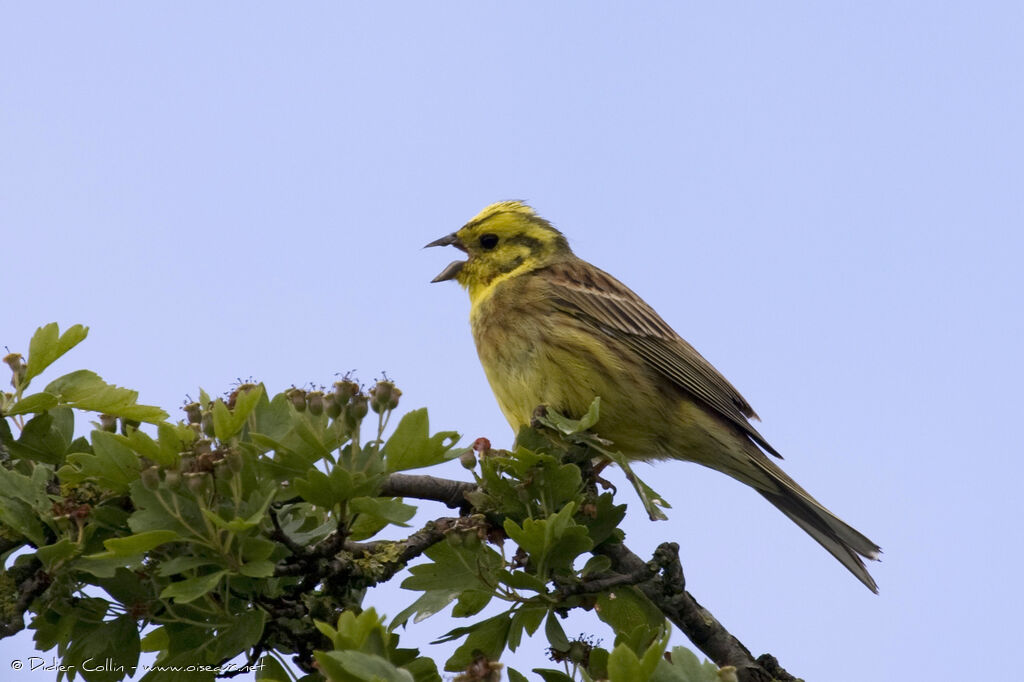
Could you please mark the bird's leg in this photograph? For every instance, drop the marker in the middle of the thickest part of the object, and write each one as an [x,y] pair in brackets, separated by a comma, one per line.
[596,473]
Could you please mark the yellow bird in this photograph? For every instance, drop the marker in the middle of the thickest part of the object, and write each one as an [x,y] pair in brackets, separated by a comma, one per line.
[552,329]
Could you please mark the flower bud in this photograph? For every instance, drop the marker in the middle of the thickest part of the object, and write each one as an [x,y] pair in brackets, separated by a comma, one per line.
[298,398]
[18,368]
[467,459]
[197,483]
[194,413]
[358,407]
[242,388]
[108,423]
[172,477]
[344,390]
[234,461]
[315,402]
[384,396]
[150,478]
[331,406]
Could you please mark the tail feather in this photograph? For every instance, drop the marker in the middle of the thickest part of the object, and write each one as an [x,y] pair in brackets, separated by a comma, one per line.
[841,540]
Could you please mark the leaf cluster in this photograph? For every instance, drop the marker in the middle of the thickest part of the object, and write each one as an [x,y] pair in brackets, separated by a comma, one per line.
[252,529]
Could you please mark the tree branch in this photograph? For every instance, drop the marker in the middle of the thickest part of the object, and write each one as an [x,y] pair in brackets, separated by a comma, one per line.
[450,492]
[667,590]
[32,582]
[661,580]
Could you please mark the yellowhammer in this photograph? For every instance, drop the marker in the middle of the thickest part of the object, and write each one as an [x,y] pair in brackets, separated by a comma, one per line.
[554,330]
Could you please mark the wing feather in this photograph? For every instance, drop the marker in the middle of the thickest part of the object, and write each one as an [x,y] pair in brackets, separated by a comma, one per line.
[601,300]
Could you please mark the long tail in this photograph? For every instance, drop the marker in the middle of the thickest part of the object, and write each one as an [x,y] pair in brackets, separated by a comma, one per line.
[841,540]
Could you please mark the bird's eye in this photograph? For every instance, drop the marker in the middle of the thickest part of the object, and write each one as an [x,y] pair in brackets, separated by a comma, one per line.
[489,241]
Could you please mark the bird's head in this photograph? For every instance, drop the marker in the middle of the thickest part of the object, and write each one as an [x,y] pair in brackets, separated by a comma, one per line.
[504,240]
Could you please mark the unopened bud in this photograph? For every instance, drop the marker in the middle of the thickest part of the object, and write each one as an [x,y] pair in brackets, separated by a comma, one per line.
[234,460]
[129,425]
[384,396]
[315,402]
[242,388]
[467,459]
[356,409]
[344,390]
[172,477]
[194,413]
[108,423]
[298,398]
[150,478]
[18,368]
[331,406]
[197,483]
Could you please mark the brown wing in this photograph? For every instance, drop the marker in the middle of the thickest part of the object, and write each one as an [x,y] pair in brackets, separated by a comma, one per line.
[595,296]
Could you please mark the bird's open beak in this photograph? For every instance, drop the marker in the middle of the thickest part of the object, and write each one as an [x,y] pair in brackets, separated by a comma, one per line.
[453,269]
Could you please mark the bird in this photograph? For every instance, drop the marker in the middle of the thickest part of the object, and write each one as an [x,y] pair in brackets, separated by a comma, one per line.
[553,330]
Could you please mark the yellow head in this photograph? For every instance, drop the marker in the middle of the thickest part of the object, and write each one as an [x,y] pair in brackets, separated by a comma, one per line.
[504,240]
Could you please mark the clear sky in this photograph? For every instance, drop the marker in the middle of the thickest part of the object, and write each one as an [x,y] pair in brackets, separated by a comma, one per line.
[824,198]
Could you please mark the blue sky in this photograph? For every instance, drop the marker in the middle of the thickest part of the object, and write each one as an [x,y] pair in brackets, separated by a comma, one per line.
[825,199]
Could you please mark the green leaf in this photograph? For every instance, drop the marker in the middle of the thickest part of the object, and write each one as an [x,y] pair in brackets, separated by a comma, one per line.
[113,464]
[521,580]
[105,564]
[686,667]
[553,543]
[516,676]
[571,427]
[48,344]
[555,634]
[356,665]
[631,615]
[44,438]
[238,524]
[23,501]
[652,501]
[189,590]
[653,654]
[392,510]
[460,568]
[85,390]
[116,641]
[486,637]
[471,602]
[140,542]
[624,666]
[173,439]
[245,631]
[156,640]
[258,569]
[271,670]
[54,555]
[595,565]
[526,619]
[227,422]
[180,564]
[411,446]
[550,675]
[36,403]
[429,603]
